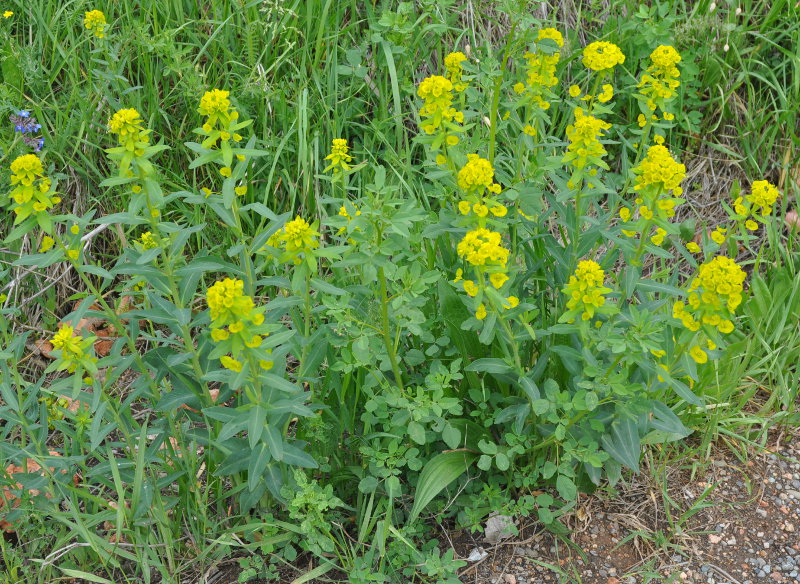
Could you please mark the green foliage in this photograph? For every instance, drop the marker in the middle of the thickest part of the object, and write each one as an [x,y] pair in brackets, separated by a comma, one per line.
[290,355]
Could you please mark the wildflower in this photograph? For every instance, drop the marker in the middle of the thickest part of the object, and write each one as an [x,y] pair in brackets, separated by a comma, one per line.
[241,190]
[148,241]
[454,70]
[31,193]
[438,111]
[541,70]
[718,235]
[739,208]
[95,21]
[73,349]
[47,244]
[441,159]
[471,288]
[464,207]
[606,94]
[659,169]
[482,247]
[476,176]
[602,56]
[552,34]
[228,303]
[231,363]
[221,118]
[512,301]
[339,157]
[625,214]
[498,279]
[763,196]
[226,171]
[480,210]
[658,237]
[693,247]
[583,135]
[698,354]
[529,130]
[574,91]
[499,210]
[714,295]
[214,104]
[299,236]
[26,124]
[585,290]
[8,14]
[660,82]
[480,313]
[127,125]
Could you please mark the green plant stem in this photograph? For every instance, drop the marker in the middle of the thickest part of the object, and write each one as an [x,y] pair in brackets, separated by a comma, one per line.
[387,338]
[498,87]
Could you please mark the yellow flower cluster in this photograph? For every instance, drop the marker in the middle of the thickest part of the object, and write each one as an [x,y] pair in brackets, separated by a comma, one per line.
[660,82]
[714,295]
[438,112]
[584,145]
[148,241]
[339,156]
[127,125]
[602,56]
[763,196]
[31,193]
[235,320]
[74,349]
[476,180]
[585,290]
[95,21]
[452,63]
[220,123]
[760,202]
[659,171]
[483,249]
[295,238]
[658,178]
[541,70]
[476,176]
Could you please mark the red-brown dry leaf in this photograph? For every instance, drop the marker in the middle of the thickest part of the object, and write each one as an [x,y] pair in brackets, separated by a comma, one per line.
[792,220]
[8,497]
[214,396]
[44,347]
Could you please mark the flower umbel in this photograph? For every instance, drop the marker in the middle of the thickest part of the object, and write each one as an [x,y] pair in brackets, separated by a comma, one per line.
[714,295]
[602,56]
[584,144]
[541,70]
[660,82]
[586,291]
[127,124]
[95,22]
[660,170]
[454,70]
[339,157]
[31,193]
[438,113]
[763,196]
[74,350]
[482,247]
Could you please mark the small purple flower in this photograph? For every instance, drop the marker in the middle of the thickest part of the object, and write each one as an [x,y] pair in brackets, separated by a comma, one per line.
[27,125]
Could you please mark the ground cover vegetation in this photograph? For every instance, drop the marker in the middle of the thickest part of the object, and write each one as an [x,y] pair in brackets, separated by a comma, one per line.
[309,283]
